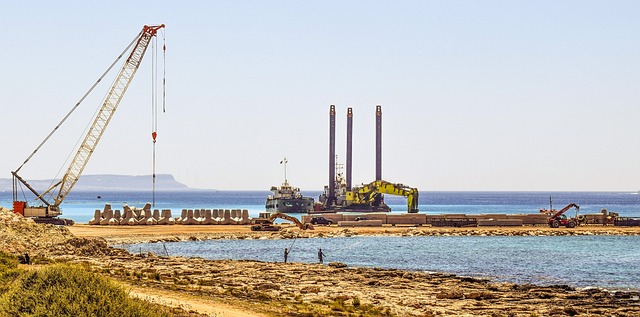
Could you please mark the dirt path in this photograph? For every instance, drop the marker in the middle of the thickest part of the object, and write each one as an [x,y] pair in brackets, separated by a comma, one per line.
[201,305]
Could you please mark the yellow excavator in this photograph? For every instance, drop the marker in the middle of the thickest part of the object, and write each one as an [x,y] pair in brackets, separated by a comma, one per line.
[369,194]
[266,224]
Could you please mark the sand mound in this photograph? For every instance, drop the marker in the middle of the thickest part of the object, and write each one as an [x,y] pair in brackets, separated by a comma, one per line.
[19,235]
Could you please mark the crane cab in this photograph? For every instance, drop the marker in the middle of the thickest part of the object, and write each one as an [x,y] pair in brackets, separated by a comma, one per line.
[21,207]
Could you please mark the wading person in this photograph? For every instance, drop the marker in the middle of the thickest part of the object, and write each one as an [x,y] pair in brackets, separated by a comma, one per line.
[320,255]
[286,254]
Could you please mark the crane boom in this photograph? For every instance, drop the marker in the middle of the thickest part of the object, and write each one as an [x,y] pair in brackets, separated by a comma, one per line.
[106,112]
[47,214]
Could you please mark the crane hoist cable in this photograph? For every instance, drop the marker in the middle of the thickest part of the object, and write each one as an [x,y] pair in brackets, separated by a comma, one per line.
[79,102]
[164,73]
[154,119]
[154,102]
[92,137]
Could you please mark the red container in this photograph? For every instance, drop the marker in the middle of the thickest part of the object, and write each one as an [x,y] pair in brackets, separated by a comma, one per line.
[18,207]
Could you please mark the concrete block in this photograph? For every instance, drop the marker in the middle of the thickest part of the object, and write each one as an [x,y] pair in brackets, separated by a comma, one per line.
[183,216]
[106,217]
[116,218]
[331,216]
[360,223]
[96,217]
[236,217]
[500,222]
[166,218]
[406,219]
[207,219]
[156,214]
[371,216]
[225,216]
[129,217]
[190,219]
[245,217]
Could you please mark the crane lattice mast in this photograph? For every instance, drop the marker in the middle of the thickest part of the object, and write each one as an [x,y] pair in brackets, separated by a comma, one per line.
[106,112]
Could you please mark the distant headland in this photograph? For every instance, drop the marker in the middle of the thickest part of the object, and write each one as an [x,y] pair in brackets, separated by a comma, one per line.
[110,182]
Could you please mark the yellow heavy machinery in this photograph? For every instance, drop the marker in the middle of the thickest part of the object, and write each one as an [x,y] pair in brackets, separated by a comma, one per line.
[371,194]
[266,224]
[47,212]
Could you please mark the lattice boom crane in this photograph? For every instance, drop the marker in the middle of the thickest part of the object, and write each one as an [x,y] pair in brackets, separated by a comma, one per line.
[95,132]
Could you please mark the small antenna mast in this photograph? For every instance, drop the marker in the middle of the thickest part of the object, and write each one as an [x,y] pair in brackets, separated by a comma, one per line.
[284,161]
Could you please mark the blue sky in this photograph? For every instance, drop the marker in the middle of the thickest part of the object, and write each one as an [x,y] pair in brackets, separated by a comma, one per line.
[476,95]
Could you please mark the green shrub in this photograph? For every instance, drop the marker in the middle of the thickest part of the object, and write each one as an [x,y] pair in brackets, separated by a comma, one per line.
[8,261]
[9,271]
[65,290]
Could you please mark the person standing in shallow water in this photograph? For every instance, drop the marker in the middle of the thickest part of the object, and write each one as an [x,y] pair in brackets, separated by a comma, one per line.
[320,256]
[286,254]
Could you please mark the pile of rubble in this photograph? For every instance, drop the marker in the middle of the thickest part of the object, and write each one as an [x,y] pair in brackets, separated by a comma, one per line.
[19,235]
[85,247]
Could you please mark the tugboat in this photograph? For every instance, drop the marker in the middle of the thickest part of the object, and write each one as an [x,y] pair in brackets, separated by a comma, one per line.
[288,199]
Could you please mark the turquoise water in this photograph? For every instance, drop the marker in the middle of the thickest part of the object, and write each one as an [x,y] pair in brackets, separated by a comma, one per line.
[80,206]
[609,262]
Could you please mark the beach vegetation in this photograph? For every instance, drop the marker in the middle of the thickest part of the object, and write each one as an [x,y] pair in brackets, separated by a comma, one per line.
[66,290]
[9,271]
[154,276]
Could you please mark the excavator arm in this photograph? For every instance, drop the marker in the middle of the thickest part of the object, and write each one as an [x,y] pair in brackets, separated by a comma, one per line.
[303,226]
[367,193]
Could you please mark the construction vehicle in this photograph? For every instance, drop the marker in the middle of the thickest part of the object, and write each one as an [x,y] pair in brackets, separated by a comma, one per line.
[266,224]
[371,194]
[48,212]
[558,218]
[340,196]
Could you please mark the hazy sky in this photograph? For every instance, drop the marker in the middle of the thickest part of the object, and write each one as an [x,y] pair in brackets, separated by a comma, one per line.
[476,95]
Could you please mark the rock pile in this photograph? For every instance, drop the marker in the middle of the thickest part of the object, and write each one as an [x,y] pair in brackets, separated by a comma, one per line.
[334,290]
[19,235]
[85,247]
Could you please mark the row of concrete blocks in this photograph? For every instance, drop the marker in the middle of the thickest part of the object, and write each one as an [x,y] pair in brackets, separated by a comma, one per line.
[134,216]
[423,219]
[214,217]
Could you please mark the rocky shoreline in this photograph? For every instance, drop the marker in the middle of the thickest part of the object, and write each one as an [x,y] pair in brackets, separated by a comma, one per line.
[298,289]
[168,234]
